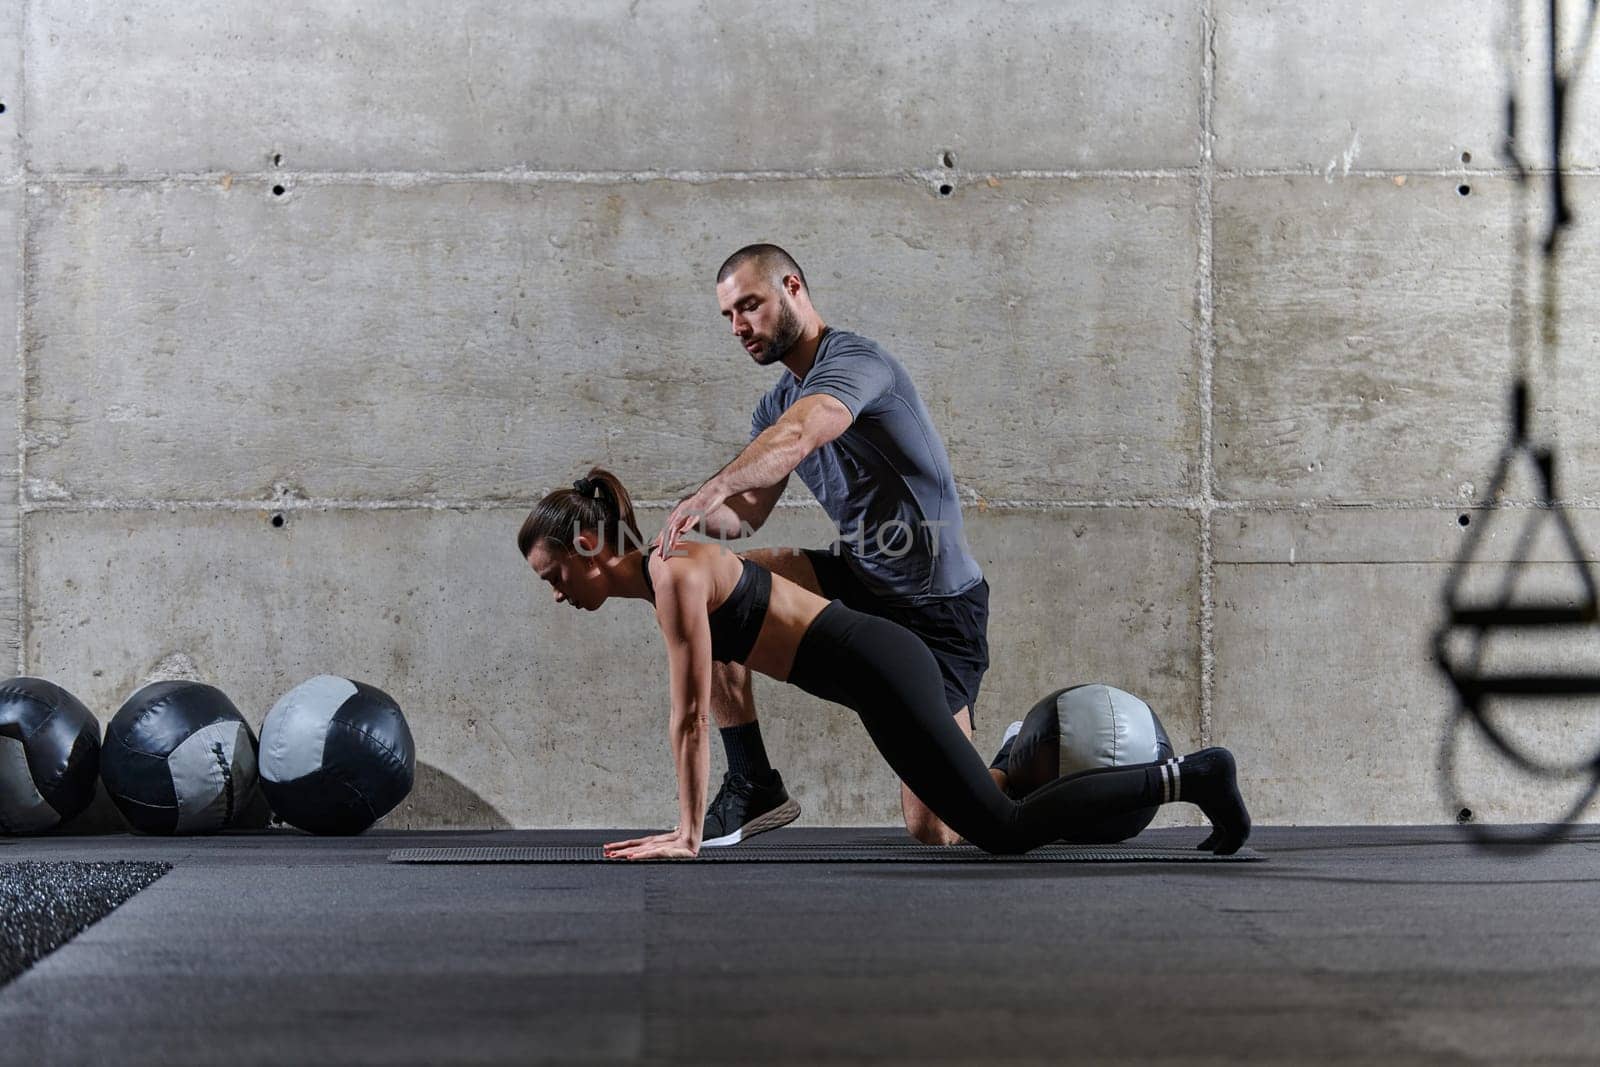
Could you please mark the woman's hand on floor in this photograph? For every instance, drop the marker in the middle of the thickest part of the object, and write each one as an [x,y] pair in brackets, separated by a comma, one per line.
[668,846]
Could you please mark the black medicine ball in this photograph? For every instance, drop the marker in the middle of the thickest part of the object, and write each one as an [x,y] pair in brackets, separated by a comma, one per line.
[336,755]
[49,755]
[179,759]
[1079,729]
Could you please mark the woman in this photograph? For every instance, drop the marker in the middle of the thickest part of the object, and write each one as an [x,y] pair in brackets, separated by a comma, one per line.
[711,604]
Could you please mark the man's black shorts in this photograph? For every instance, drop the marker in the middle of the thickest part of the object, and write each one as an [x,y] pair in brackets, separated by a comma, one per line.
[955,629]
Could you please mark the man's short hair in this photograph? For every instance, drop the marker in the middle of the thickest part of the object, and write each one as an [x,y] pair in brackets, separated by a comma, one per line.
[775,264]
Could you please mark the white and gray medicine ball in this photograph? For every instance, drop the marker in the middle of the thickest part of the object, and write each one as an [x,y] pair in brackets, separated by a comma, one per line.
[1081,728]
[179,759]
[49,755]
[336,756]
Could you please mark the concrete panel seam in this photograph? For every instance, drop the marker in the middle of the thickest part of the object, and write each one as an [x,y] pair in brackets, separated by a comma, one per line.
[1409,172]
[1207,342]
[1266,505]
[292,504]
[1171,503]
[1269,505]
[70,506]
[1303,564]
[1195,504]
[407,179]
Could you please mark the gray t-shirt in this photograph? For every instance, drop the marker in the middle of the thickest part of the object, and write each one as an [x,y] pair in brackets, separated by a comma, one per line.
[886,480]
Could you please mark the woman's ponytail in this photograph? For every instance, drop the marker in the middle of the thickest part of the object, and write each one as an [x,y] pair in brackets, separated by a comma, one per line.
[597,503]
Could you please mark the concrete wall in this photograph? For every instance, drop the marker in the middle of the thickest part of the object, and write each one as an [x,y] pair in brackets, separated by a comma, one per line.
[1216,340]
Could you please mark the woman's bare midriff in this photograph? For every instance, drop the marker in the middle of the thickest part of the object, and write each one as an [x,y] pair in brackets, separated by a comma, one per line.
[789,616]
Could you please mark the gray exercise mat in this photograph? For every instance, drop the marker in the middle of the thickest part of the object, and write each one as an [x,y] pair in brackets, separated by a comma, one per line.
[828,854]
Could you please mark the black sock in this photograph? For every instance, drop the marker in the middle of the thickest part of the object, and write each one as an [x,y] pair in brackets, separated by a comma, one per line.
[1208,779]
[747,756]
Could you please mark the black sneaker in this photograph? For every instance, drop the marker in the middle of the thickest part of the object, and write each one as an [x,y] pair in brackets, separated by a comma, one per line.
[742,808]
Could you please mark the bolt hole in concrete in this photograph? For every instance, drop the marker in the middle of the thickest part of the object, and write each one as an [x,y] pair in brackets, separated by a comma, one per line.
[946,190]
[278,190]
[2,109]
[1464,815]
[277,520]
[1466,157]
[1463,189]
[1464,520]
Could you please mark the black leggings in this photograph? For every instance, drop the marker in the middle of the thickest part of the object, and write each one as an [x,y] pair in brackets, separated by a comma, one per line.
[885,674]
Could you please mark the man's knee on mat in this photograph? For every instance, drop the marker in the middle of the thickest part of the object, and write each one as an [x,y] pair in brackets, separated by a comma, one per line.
[922,823]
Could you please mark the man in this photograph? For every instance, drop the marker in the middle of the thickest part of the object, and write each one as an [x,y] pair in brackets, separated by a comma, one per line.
[845,416]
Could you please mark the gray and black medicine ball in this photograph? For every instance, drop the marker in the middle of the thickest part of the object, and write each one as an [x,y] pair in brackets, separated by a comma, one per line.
[336,755]
[1079,729]
[49,755]
[179,759]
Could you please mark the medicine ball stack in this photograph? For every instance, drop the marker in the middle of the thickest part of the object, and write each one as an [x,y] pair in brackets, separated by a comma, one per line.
[336,756]
[1079,729]
[49,755]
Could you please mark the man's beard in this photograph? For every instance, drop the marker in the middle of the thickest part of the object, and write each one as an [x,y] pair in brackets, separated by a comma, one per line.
[784,335]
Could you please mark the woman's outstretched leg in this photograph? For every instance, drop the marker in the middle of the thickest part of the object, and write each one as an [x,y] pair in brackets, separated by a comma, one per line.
[886,675]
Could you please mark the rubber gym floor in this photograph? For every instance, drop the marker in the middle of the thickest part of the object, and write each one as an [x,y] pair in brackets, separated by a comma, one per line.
[1361,945]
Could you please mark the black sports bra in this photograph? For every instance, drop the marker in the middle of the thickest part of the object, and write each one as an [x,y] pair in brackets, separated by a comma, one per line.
[736,622]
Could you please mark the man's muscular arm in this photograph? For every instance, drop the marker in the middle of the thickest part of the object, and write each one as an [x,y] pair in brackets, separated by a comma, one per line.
[743,513]
[748,488]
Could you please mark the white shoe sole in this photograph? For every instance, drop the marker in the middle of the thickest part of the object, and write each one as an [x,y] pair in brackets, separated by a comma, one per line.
[782,815]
